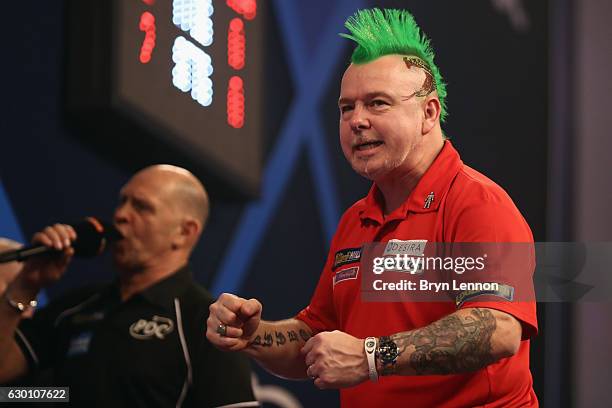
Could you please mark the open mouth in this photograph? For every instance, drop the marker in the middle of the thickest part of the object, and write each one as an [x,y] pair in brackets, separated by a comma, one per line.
[368,145]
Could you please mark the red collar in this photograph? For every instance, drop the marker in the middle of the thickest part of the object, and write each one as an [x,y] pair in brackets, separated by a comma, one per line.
[427,194]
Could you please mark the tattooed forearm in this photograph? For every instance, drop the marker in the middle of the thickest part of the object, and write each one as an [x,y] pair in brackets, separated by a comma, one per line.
[292,336]
[454,344]
[305,335]
[280,338]
[277,346]
[267,339]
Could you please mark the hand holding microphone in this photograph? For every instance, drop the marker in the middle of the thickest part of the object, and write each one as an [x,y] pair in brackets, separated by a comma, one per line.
[49,266]
[93,235]
[53,248]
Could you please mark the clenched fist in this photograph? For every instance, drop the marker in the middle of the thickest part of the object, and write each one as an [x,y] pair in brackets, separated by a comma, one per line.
[232,322]
[335,360]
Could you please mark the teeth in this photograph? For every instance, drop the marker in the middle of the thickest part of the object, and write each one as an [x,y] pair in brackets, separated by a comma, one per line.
[368,145]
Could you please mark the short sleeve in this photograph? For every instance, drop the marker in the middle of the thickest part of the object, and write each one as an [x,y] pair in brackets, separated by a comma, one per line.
[496,222]
[320,314]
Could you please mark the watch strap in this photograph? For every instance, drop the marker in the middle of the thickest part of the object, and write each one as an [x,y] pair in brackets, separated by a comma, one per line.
[369,346]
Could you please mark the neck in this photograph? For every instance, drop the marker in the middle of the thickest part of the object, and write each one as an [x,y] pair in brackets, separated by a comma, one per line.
[136,280]
[397,187]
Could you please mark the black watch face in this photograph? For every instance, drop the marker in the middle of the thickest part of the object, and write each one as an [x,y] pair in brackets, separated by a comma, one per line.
[388,352]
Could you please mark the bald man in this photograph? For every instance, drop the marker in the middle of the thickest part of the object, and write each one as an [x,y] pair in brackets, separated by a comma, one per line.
[137,341]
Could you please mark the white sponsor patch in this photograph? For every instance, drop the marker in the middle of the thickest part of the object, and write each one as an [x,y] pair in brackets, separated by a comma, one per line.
[409,254]
[411,247]
[157,327]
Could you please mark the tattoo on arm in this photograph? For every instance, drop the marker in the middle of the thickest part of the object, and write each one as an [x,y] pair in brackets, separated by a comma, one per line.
[453,344]
[304,334]
[279,338]
[267,339]
[265,342]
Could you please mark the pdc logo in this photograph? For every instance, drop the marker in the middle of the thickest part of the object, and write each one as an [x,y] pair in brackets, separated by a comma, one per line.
[157,327]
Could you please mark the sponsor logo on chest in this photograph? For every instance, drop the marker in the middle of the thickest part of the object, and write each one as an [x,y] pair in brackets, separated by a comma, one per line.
[411,247]
[408,256]
[346,256]
[346,274]
[158,327]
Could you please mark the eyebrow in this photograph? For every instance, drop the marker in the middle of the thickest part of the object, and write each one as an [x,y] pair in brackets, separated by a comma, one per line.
[368,96]
[135,197]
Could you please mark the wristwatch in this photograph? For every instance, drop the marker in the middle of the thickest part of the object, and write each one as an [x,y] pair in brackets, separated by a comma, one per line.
[387,351]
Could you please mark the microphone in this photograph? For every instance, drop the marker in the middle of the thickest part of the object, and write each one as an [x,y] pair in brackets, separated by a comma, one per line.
[92,237]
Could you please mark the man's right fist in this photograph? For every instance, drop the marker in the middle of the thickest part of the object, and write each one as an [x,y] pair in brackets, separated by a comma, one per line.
[40,271]
[232,322]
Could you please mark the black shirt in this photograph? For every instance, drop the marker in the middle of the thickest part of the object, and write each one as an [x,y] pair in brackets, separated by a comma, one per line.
[149,351]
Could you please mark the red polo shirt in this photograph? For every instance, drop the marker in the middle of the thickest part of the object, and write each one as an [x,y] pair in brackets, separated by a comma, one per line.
[466,207]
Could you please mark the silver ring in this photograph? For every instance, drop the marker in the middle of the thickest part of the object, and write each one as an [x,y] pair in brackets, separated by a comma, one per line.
[312,377]
[222,329]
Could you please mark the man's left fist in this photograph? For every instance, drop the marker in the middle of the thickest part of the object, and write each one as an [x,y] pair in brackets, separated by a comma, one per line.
[335,360]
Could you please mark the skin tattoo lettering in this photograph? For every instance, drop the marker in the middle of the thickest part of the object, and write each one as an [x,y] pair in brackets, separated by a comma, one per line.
[267,339]
[279,338]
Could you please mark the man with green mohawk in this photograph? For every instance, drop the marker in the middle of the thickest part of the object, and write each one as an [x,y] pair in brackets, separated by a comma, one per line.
[471,352]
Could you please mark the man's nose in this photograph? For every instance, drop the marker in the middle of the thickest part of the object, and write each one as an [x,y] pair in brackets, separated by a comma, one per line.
[359,119]
[121,214]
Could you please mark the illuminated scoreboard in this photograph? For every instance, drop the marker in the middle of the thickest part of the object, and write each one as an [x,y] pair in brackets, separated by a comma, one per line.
[170,80]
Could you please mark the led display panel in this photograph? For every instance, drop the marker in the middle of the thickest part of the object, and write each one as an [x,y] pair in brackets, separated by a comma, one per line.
[170,80]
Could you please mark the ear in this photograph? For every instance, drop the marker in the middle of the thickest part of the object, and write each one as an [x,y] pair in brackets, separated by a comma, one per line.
[431,110]
[189,230]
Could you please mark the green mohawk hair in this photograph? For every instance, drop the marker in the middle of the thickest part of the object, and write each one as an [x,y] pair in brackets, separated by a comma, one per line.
[384,32]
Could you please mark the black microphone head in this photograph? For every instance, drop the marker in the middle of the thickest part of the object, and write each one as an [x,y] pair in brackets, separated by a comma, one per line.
[93,236]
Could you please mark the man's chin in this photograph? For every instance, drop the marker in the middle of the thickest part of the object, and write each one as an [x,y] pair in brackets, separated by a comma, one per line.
[122,262]
[368,170]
